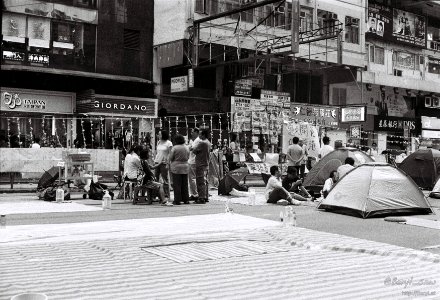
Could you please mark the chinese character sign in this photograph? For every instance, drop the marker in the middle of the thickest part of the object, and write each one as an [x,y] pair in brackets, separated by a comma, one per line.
[305,132]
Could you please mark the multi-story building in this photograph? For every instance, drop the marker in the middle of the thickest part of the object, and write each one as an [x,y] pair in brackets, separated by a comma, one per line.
[76,71]
[254,43]
[400,80]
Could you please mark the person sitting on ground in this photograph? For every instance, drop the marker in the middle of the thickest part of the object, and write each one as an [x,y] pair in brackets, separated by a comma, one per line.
[349,165]
[293,184]
[274,188]
[328,184]
[149,180]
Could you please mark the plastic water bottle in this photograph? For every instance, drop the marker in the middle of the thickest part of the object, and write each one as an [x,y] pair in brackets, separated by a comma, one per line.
[59,196]
[228,208]
[106,200]
[293,218]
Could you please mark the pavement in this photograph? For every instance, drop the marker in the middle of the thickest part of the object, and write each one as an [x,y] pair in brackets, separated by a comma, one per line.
[200,252]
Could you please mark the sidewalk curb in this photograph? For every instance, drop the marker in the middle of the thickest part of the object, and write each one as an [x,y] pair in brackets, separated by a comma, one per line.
[17,191]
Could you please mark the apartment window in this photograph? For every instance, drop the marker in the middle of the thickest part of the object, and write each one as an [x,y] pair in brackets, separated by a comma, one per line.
[305,19]
[327,22]
[351,30]
[377,55]
[131,39]
[339,96]
[201,7]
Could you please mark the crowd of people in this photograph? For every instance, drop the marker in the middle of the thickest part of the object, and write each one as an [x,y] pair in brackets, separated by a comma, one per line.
[183,166]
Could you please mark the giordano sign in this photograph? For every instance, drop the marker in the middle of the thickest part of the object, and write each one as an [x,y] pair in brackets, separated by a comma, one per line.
[119,106]
[36,101]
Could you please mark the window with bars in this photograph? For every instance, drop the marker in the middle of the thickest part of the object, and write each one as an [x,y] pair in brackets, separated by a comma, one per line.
[132,39]
[201,6]
[351,30]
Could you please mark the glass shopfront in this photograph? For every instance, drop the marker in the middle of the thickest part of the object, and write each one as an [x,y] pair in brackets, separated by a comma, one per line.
[27,114]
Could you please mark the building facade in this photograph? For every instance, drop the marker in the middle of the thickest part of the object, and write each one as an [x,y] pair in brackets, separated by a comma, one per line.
[399,82]
[77,73]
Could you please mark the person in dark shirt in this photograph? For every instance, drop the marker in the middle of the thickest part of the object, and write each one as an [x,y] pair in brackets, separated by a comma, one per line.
[293,183]
[201,150]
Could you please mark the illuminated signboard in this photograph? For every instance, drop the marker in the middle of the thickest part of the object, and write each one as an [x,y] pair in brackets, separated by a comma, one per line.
[353,114]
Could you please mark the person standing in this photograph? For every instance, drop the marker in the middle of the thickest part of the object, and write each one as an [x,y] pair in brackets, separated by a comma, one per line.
[235,149]
[326,149]
[302,168]
[161,160]
[179,167]
[202,150]
[295,155]
[194,195]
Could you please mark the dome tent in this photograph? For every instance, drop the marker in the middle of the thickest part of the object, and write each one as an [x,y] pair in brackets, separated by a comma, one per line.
[375,189]
[423,166]
[321,171]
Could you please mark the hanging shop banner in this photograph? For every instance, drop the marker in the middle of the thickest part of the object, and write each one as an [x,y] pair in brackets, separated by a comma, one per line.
[179,84]
[243,87]
[52,10]
[274,98]
[315,114]
[119,106]
[36,101]
[305,132]
[395,124]
[395,25]
[353,114]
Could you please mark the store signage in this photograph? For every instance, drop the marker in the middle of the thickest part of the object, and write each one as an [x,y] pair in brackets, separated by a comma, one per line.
[275,98]
[353,114]
[13,55]
[315,114]
[119,106]
[395,25]
[430,123]
[179,84]
[36,101]
[394,124]
[355,131]
[243,87]
[431,134]
[38,58]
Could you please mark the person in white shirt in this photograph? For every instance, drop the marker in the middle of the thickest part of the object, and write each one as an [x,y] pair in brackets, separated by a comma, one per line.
[328,184]
[193,194]
[274,187]
[36,144]
[132,165]
[349,165]
[161,161]
[326,149]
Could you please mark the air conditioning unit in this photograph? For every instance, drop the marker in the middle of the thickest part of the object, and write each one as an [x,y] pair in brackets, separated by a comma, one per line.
[331,16]
[436,102]
[397,72]
[302,14]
